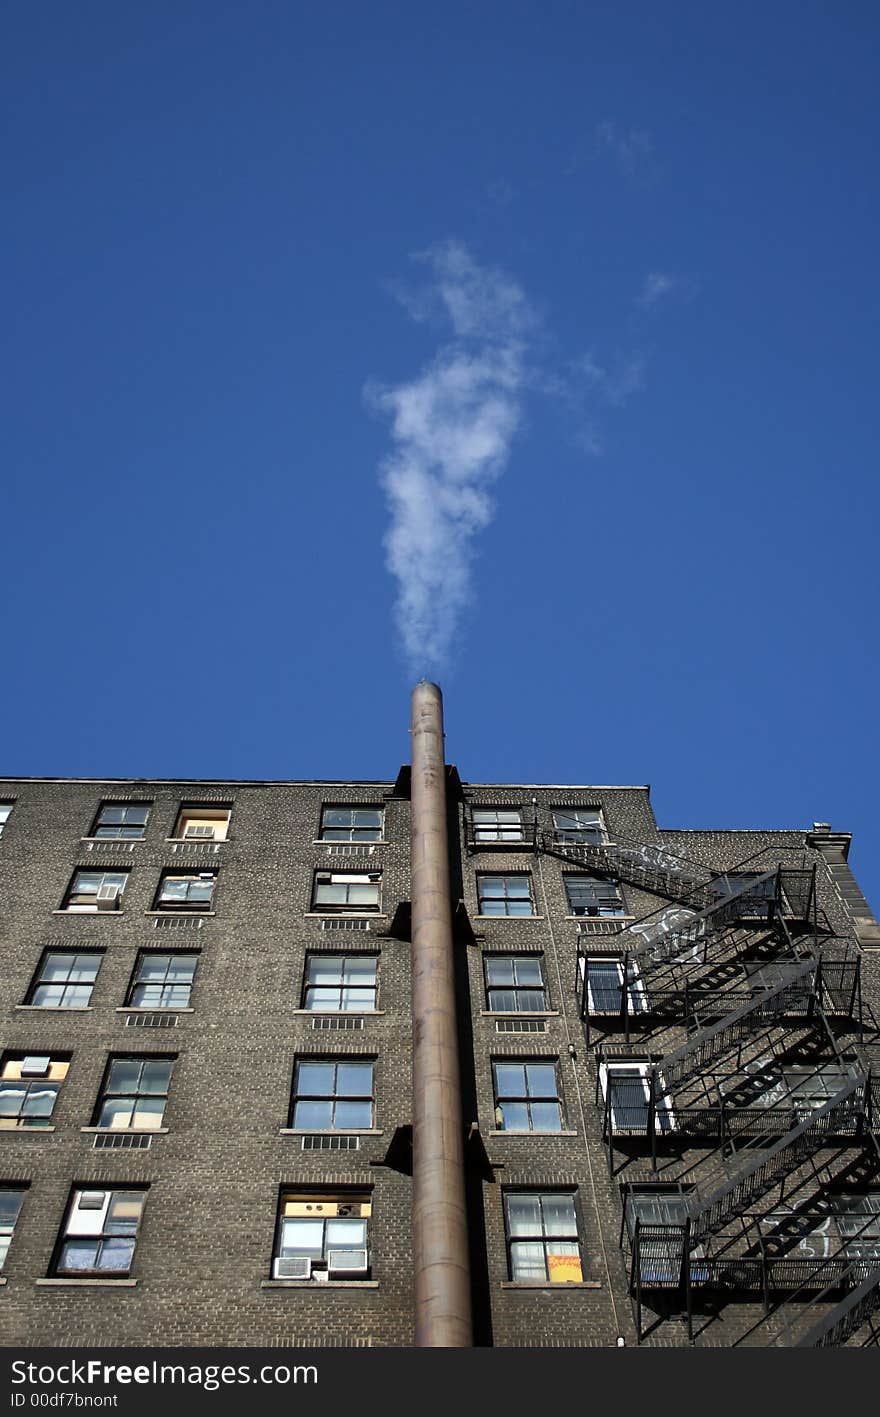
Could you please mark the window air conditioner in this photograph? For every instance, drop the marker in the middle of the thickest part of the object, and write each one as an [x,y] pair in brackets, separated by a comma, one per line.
[201,831]
[346,1262]
[293,1267]
[107,898]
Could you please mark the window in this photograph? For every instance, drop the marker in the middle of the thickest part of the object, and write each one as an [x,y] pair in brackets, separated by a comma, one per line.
[495,824]
[542,1237]
[134,1094]
[192,890]
[202,822]
[628,1088]
[515,984]
[353,891]
[351,824]
[340,983]
[95,890]
[858,1224]
[121,821]
[578,824]
[660,1215]
[505,895]
[10,1205]
[5,809]
[99,1232]
[29,1085]
[527,1097]
[65,979]
[162,981]
[332,1095]
[322,1235]
[587,895]
[605,985]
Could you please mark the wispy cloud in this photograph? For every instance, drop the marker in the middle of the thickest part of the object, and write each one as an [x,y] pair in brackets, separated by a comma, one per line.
[632,149]
[452,428]
[657,285]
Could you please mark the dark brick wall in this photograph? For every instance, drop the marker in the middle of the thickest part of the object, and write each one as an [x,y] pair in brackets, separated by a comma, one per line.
[204,1252]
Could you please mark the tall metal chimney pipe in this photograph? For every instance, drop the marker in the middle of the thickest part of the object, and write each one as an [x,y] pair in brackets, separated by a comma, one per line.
[440,1243]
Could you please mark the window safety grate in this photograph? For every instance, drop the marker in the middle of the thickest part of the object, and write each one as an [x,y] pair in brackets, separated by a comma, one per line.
[515,1025]
[180,922]
[338,922]
[322,1143]
[348,848]
[151,1021]
[599,927]
[344,1023]
[122,1143]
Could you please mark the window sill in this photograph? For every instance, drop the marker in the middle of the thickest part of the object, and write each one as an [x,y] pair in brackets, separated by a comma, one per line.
[54,1009]
[319,841]
[320,1286]
[114,840]
[14,1131]
[88,1283]
[143,1009]
[178,913]
[518,918]
[534,1013]
[329,1131]
[529,1134]
[545,1284]
[344,915]
[126,1131]
[89,910]
[340,1013]
[197,840]
[617,919]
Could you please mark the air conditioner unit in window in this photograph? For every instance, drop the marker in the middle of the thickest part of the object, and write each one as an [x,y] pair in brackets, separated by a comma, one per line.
[293,1267]
[199,831]
[346,1262]
[107,898]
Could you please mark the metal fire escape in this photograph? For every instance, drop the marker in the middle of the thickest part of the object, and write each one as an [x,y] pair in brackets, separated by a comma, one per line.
[772,1086]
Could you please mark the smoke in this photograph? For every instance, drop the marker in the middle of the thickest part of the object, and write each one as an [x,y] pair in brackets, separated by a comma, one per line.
[452,429]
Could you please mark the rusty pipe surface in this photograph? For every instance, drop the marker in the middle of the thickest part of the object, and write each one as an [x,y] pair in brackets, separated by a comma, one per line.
[440,1242]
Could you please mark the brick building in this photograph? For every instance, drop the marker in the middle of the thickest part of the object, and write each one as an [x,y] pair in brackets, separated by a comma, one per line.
[665,1036]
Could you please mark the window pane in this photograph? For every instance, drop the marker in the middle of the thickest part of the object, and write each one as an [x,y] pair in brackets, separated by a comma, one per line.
[518,886]
[510,1080]
[541,1080]
[354,1079]
[116,1254]
[355,999]
[353,1114]
[346,1234]
[12,1098]
[148,1112]
[500,971]
[10,1205]
[79,1255]
[363,895]
[76,996]
[316,1116]
[124,1212]
[40,1101]
[49,996]
[84,968]
[360,969]
[181,967]
[514,1116]
[302,1236]
[173,890]
[327,894]
[559,1218]
[523,1215]
[528,971]
[530,1001]
[503,1001]
[546,1117]
[314,1079]
[324,969]
[323,999]
[527,1262]
[116,1112]
[124,1074]
[519,907]
[57,966]
[493,907]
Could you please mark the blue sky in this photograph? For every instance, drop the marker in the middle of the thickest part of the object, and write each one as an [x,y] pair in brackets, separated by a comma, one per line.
[244,242]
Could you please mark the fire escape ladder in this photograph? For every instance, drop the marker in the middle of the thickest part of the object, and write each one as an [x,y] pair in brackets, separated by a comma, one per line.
[846,1317]
[670,940]
[843,1112]
[649,867]
[794,994]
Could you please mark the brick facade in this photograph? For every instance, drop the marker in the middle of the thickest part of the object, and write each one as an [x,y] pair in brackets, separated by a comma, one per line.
[202,1271]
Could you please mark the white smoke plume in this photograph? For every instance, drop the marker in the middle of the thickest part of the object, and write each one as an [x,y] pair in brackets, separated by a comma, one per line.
[452,428]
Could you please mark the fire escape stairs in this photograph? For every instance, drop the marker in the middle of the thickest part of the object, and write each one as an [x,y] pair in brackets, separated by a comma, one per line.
[651,868]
